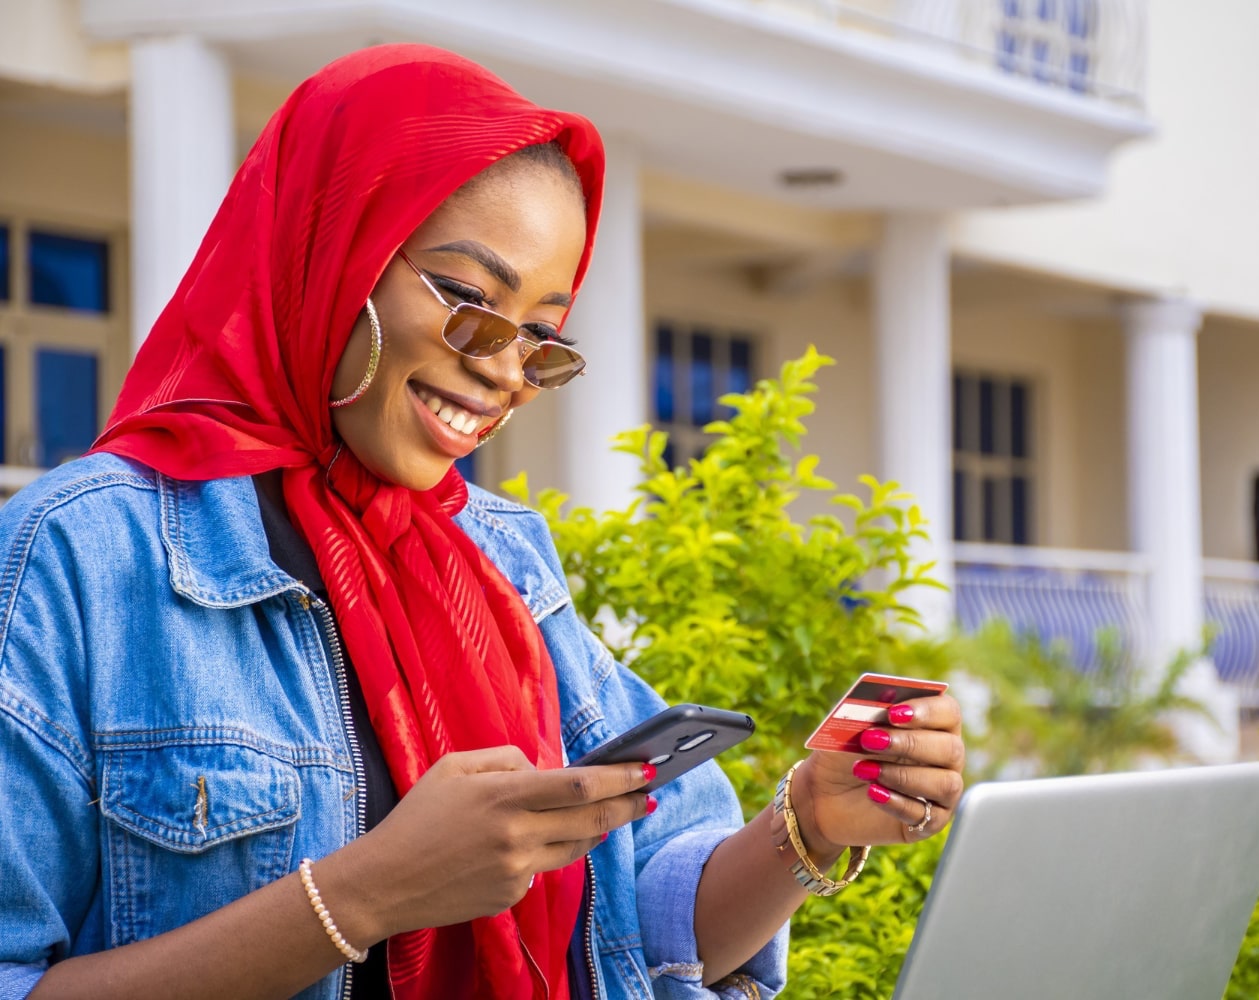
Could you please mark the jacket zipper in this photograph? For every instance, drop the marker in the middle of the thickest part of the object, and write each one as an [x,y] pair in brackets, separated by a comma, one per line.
[328,626]
[588,932]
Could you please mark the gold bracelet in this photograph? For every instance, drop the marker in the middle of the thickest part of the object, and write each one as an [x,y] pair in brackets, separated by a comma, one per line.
[803,868]
[325,918]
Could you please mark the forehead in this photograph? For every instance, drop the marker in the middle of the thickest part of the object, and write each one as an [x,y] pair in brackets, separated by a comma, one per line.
[529,213]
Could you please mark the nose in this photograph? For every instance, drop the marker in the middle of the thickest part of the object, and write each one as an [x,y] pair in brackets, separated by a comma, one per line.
[504,370]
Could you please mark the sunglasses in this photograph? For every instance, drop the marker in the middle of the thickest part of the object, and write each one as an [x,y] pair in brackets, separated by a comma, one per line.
[477,332]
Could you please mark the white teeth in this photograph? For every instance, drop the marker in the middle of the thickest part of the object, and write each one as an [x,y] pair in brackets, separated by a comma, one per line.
[458,418]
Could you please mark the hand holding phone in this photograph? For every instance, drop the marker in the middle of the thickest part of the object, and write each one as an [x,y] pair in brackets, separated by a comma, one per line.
[673,741]
[865,706]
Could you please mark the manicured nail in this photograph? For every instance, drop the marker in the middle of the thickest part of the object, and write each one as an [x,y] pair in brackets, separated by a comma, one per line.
[649,772]
[651,804]
[604,837]
[866,770]
[875,739]
[900,714]
[878,793]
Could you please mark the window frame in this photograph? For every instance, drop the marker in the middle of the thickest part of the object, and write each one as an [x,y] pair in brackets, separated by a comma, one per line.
[25,328]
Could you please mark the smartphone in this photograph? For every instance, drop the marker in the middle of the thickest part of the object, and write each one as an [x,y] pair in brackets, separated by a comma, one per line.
[864,706]
[675,740]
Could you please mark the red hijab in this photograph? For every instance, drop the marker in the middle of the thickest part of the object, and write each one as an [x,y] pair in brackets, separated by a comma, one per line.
[235,380]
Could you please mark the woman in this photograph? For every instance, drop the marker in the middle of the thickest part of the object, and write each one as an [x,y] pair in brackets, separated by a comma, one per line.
[266,622]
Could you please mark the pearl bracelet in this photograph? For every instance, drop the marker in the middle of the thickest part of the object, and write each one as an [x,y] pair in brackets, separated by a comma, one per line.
[321,911]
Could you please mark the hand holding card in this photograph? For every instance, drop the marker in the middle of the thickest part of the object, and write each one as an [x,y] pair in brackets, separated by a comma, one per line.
[865,706]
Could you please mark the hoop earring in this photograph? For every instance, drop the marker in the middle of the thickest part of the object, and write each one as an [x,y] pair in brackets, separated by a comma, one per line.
[493,431]
[372,361]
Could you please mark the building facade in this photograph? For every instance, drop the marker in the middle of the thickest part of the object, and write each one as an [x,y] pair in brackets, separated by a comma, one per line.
[1026,229]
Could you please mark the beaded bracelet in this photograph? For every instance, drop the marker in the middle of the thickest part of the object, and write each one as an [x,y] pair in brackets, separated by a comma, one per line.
[803,868]
[321,911]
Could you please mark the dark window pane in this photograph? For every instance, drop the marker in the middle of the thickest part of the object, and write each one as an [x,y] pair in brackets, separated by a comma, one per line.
[662,376]
[4,263]
[1018,511]
[1018,420]
[959,505]
[65,385]
[990,509]
[740,365]
[467,467]
[702,383]
[987,416]
[69,272]
[667,456]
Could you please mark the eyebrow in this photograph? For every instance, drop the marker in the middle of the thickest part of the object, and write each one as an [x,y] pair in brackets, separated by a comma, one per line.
[479,253]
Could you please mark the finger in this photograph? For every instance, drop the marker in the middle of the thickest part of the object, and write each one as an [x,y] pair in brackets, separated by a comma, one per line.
[937,712]
[505,758]
[919,818]
[937,784]
[565,787]
[929,747]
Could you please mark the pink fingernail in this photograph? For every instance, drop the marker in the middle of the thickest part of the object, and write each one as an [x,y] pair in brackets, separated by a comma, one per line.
[649,773]
[604,837]
[651,804]
[866,770]
[878,793]
[876,739]
[900,714]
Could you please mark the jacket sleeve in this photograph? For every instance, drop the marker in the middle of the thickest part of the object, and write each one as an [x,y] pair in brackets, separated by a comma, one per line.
[49,848]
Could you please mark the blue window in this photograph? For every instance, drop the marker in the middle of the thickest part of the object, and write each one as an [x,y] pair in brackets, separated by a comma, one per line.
[691,369]
[4,263]
[993,459]
[68,272]
[66,404]
[663,376]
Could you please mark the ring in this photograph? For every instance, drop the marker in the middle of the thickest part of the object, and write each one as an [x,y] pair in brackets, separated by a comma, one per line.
[926,816]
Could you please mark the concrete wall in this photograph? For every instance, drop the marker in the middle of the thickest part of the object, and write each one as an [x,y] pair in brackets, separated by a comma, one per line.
[1228,378]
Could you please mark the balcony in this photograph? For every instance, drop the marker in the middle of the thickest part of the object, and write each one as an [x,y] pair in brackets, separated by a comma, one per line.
[1069,596]
[1095,48]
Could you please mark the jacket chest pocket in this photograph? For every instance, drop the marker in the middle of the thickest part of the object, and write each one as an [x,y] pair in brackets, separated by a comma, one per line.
[188,828]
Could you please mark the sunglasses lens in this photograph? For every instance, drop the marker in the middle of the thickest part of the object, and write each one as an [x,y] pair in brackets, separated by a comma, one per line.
[550,365]
[476,332]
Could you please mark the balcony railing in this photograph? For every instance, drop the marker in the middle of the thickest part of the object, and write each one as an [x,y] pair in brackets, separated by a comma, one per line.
[1061,595]
[1096,48]
[1232,615]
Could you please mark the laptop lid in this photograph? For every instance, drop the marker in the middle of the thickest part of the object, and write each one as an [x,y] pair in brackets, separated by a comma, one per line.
[1092,888]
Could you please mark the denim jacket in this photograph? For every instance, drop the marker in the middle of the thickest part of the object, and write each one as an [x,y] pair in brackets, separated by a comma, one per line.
[175,733]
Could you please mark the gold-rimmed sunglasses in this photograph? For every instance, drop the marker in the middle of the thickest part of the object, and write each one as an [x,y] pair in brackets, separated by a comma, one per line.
[477,332]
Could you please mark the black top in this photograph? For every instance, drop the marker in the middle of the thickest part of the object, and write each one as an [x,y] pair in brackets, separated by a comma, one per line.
[290,552]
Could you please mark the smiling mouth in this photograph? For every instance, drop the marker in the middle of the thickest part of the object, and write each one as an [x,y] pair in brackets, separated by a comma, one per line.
[459,419]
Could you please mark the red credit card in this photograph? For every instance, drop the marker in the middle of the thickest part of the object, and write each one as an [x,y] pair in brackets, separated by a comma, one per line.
[864,706]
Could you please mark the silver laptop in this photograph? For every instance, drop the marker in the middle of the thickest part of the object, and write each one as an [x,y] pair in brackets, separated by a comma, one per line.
[1102,887]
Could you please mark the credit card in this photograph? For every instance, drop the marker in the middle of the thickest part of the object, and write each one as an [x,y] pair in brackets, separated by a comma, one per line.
[865,706]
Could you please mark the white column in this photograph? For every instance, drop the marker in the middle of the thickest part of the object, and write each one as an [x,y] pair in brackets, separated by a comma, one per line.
[182,159]
[609,324]
[913,377]
[1165,506]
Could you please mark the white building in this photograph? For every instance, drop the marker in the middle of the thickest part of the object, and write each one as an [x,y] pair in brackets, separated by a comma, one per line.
[1028,229]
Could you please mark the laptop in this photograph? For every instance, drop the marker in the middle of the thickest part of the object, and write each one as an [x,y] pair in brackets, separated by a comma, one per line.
[1101,887]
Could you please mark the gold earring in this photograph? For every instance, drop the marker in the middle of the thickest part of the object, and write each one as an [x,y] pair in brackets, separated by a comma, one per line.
[496,428]
[372,361]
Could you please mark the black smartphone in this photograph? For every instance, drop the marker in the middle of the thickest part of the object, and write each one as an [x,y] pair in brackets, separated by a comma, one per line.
[675,740]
